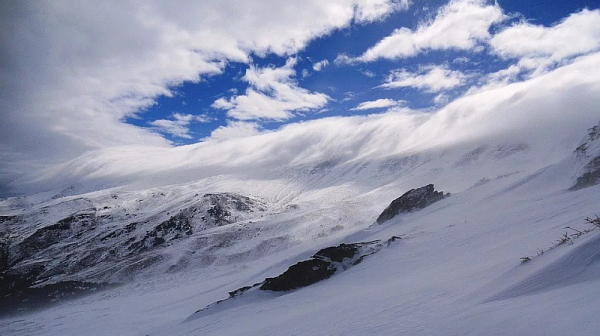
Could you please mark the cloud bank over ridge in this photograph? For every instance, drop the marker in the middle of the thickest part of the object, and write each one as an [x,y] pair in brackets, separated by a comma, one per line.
[75,71]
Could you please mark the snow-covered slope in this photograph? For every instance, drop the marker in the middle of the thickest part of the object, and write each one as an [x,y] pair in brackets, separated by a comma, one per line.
[456,270]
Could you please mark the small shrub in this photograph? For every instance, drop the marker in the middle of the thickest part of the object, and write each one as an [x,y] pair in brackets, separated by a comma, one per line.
[594,221]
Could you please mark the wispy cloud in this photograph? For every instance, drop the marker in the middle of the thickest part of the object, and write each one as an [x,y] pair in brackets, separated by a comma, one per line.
[379,103]
[178,125]
[273,95]
[461,25]
[318,66]
[432,78]
[235,129]
[369,11]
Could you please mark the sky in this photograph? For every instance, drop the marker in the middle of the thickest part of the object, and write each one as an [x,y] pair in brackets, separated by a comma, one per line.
[79,77]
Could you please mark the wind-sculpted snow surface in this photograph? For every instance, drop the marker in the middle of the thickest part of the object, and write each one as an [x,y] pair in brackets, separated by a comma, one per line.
[321,266]
[457,270]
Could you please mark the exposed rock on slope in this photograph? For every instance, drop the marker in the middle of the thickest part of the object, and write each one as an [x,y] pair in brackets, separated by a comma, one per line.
[111,241]
[413,199]
[321,266]
[589,151]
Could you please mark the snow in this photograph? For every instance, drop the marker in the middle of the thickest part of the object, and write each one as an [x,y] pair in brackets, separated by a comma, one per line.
[505,154]
[456,270]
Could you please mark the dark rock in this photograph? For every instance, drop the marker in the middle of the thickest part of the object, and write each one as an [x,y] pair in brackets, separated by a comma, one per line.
[413,199]
[21,300]
[7,219]
[591,177]
[176,227]
[242,290]
[321,266]
[14,282]
[239,291]
[4,250]
[337,253]
[117,233]
[71,227]
[302,274]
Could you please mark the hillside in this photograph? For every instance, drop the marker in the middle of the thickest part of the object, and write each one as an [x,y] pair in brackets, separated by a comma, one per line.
[457,265]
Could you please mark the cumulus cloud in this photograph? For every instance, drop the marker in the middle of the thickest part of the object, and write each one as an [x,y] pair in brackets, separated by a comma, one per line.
[74,70]
[178,125]
[577,34]
[273,95]
[318,66]
[379,103]
[539,49]
[432,78]
[460,25]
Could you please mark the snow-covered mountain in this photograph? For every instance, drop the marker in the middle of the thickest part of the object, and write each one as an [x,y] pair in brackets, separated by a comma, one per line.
[457,267]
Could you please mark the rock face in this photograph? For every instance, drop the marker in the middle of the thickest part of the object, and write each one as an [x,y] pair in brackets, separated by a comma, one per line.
[413,199]
[321,266]
[78,240]
[302,274]
[27,299]
[588,154]
[589,178]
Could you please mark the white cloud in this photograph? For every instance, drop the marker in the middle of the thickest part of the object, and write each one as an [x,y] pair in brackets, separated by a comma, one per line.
[178,126]
[320,65]
[368,73]
[379,103]
[429,78]
[534,111]
[235,129]
[538,49]
[577,34]
[369,11]
[461,60]
[461,25]
[273,95]
[441,99]
[74,70]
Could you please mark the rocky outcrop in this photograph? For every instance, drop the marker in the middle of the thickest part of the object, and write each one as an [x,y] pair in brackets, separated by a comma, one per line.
[588,153]
[33,298]
[322,265]
[413,199]
[174,228]
[302,274]
[111,239]
[590,177]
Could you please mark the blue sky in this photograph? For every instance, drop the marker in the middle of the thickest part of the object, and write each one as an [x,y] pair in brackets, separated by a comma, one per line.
[346,85]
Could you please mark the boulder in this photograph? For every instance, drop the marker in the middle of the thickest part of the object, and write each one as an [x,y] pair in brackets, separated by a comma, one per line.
[302,274]
[413,199]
